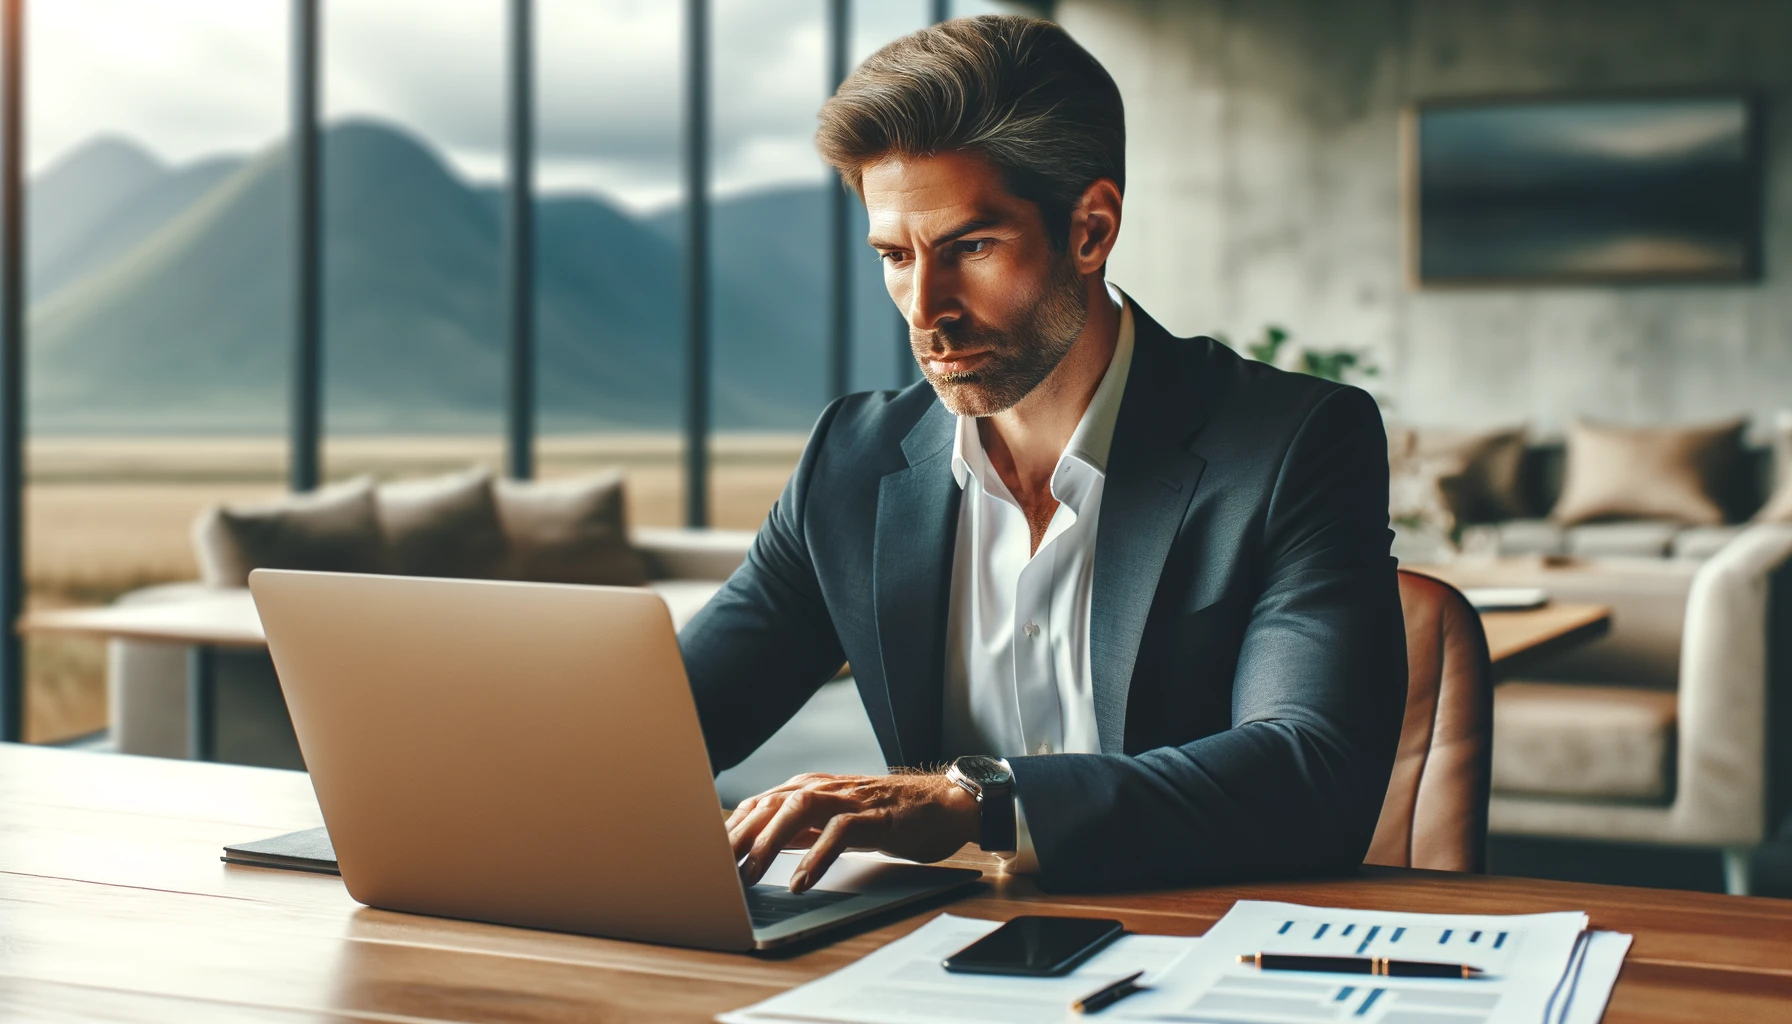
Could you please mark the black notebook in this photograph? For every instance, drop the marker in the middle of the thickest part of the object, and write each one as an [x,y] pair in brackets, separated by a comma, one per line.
[309,850]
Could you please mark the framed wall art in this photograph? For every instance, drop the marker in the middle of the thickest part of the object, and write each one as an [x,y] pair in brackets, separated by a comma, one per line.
[1569,190]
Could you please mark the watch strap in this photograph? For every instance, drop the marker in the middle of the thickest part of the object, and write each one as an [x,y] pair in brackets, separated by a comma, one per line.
[998,832]
[995,805]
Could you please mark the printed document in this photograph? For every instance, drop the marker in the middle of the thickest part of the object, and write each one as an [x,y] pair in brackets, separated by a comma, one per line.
[1539,968]
[1528,962]
[1590,983]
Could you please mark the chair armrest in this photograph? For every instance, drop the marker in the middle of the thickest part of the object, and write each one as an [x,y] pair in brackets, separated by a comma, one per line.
[1723,759]
[689,554]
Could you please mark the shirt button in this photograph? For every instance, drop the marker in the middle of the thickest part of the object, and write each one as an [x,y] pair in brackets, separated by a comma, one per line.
[1045,747]
[1031,629]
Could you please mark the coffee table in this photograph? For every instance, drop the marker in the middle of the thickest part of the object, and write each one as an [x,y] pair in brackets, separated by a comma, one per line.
[206,623]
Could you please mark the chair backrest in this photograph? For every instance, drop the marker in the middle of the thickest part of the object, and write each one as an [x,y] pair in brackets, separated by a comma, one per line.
[1435,813]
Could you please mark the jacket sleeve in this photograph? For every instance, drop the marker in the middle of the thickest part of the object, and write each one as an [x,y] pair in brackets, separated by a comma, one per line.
[1295,786]
[765,643]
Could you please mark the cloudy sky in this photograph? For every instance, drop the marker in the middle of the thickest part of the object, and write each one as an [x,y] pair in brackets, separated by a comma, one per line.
[189,78]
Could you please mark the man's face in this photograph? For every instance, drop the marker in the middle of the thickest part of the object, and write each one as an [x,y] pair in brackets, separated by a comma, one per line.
[991,307]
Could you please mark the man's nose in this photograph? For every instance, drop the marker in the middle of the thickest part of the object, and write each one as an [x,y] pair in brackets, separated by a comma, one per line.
[932,297]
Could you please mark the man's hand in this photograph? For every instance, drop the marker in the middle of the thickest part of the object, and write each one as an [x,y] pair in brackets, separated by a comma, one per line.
[919,817]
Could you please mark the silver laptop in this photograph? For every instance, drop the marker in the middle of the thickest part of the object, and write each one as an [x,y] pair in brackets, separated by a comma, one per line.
[529,754]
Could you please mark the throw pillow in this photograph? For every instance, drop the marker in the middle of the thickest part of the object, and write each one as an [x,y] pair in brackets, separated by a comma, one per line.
[1779,506]
[443,526]
[1446,476]
[570,531]
[1682,474]
[333,529]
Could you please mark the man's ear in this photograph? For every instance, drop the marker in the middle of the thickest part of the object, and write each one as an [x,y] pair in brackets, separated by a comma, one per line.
[1095,225]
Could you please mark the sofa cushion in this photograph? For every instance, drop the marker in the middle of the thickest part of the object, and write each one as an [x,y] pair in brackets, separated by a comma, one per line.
[1584,742]
[569,531]
[443,526]
[1703,541]
[1531,537]
[1447,476]
[332,529]
[1684,474]
[1640,538]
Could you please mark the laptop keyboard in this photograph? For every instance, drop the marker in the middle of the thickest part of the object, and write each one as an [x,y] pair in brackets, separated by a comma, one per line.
[773,904]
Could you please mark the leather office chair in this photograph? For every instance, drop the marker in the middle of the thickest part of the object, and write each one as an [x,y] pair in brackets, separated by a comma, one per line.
[1435,813]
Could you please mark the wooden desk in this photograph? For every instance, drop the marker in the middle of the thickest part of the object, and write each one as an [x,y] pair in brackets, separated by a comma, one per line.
[113,905]
[1518,640]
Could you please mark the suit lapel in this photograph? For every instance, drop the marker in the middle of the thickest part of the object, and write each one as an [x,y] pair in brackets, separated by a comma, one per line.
[1151,479]
[916,531]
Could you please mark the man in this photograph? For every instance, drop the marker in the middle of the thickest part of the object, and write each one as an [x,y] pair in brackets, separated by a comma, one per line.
[1134,589]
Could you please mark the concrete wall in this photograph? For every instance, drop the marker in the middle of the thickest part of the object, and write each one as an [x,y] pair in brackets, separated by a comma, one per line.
[1263,186]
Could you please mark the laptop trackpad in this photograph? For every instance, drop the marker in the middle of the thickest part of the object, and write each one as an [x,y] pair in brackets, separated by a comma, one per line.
[853,872]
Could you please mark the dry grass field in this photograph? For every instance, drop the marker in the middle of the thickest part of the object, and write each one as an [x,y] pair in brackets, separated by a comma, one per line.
[107,515]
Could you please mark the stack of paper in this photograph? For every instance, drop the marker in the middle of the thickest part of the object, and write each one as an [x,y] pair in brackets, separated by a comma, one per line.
[1538,967]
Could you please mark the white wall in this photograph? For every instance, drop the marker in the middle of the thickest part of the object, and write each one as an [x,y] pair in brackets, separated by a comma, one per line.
[1263,186]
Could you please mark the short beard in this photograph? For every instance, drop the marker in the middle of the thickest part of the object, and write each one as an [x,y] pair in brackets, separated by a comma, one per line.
[1020,356]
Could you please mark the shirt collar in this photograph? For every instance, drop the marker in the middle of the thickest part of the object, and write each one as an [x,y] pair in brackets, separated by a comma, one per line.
[1091,441]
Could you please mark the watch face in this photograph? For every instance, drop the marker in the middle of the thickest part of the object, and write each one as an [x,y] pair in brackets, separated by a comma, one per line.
[984,771]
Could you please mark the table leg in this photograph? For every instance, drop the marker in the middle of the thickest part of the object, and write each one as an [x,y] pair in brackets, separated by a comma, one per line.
[202,712]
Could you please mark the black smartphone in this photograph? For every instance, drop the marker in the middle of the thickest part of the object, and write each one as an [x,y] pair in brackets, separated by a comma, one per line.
[1036,946]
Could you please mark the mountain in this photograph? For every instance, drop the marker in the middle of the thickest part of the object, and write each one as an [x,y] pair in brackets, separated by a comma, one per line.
[101,232]
[778,290]
[81,190]
[770,255]
[174,316]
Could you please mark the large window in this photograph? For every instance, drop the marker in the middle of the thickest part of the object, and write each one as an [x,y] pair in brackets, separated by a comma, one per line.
[768,246]
[413,285]
[770,196]
[880,352]
[609,289]
[161,272]
[156,235]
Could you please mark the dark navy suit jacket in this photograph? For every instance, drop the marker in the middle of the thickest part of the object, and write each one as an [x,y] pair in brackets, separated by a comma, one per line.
[1247,649]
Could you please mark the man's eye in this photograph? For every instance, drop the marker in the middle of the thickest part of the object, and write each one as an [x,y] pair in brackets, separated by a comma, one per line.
[892,255]
[969,246]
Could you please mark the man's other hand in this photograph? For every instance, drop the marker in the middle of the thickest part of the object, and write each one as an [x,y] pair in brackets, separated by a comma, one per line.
[917,817]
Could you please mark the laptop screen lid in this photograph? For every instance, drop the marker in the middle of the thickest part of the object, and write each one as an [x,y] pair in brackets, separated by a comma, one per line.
[520,753]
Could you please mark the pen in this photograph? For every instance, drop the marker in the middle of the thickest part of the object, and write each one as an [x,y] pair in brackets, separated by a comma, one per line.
[1378,965]
[1108,995]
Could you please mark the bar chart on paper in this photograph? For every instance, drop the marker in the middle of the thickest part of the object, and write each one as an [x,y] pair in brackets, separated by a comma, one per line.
[1526,960]
[1485,948]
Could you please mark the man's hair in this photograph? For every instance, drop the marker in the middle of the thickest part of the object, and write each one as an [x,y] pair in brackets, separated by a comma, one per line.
[1017,91]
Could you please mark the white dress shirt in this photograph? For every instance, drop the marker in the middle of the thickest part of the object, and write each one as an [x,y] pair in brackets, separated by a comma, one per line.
[1017,629]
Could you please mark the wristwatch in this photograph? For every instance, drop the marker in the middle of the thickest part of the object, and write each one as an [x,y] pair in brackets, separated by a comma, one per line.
[989,780]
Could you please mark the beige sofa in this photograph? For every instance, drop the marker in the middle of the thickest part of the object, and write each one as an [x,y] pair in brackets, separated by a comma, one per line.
[147,681]
[1673,728]
[1695,765]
